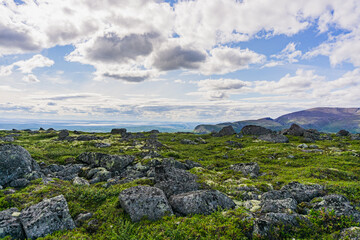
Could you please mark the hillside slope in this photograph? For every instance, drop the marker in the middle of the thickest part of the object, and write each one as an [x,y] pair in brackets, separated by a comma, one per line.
[322,119]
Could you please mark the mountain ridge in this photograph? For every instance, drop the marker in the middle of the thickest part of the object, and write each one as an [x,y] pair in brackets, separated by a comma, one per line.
[324,119]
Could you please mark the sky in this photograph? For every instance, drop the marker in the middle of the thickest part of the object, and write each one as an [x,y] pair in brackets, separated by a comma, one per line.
[183,61]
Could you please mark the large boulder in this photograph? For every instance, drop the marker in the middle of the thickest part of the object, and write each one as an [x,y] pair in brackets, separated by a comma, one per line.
[274,138]
[225,131]
[120,131]
[174,180]
[63,134]
[110,162]
[145,202]
[251,169]
[287,205]
[255,130]
[294,130]
[46,217]
[304,193]
[15,163]
[342,133]
[200,202]
[10,224]
[276,195]
[339,204]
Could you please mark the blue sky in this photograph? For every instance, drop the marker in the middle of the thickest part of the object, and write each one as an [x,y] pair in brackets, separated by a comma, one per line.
[200,61]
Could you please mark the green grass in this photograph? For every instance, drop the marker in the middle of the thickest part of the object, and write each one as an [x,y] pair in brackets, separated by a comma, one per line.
[337,167]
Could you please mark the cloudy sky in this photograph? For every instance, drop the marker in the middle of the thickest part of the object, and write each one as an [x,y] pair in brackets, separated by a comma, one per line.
[201,60]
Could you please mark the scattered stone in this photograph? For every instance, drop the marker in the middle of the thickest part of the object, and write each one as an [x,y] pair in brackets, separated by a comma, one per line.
[303,146]
[339,204]
[82,218]
[10,224]
[191,164]
[188,142]
[234,144]
[46,217]
[15,163]
[102,145]
[200,202]
[110,162]
[7,139]
[152,143]
[80,181]
[251,169]
[201,140]
[145,202]
[174,181]
[255,130]
[225,131]
[274,138]
[63,134]
[304,193]
[342,133]
[88,138]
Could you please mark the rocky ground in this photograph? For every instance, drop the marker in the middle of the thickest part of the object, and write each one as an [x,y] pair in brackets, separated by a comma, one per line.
[256,184]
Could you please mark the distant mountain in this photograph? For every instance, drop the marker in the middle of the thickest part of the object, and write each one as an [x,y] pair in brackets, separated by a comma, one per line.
[322,119]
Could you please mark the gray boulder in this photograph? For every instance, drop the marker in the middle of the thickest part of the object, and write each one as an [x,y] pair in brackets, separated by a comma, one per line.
[294,130]
[102,145]
[120,131]
[175,181]
[63,134]
[188,142]
[251,169]
[82,217]
[255,130]
[111,162]
[80,181]
[15,163]
[19,183]
[46,217]
[69,172]
[225,131]
[287,205]
[276,195]
[7,139]
[339,204]
[191,164]
[10,224]
[145,202]
[342,133]
[200,202]
[274,138]
[304,193]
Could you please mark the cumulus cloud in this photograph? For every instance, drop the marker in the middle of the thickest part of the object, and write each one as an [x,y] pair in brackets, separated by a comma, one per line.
[224,60]
[27,66]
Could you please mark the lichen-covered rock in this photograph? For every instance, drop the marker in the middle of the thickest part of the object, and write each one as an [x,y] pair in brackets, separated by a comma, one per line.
[274,138]
[339,204]
[200,202]
[352,233]
[264,226]
[111,162]
[145,202]
[19,183]
[255,130]
[63,134]
[287,205]
[46,217]
[120,131]
[15,163]
[191,164]
[69,172]
[304,193]
[251,169]
[80,181]
[175,181]
[7,139]
[82,217]
[10,224]
[294,130]
[276,195]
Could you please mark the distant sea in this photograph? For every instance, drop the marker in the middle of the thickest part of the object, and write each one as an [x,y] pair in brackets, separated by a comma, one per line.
[95,126]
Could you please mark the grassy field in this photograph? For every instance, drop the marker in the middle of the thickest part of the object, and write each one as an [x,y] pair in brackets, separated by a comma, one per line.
[337,166]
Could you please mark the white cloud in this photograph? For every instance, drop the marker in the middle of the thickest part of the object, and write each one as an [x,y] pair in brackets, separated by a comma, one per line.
[30,78]
[289,53]
[8,89]
[27,66]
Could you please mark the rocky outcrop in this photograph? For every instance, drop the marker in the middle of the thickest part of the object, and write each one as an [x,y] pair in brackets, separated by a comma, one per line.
[120,131]
[200,202]
[255,130]
[110,162]
[15,163]
[10,224]
[304,193]
[145,202]
[174,180]
[46,217]
[225,131]
[342,133]
[252,169]
[63,135]
[294,130]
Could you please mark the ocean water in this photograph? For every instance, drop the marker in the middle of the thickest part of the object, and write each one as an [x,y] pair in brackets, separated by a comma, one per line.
[96,126]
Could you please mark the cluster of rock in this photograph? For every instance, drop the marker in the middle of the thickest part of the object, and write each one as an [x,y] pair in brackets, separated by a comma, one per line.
[175,191]
[288,207]
[264,134]
[36,221]
[64,135]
